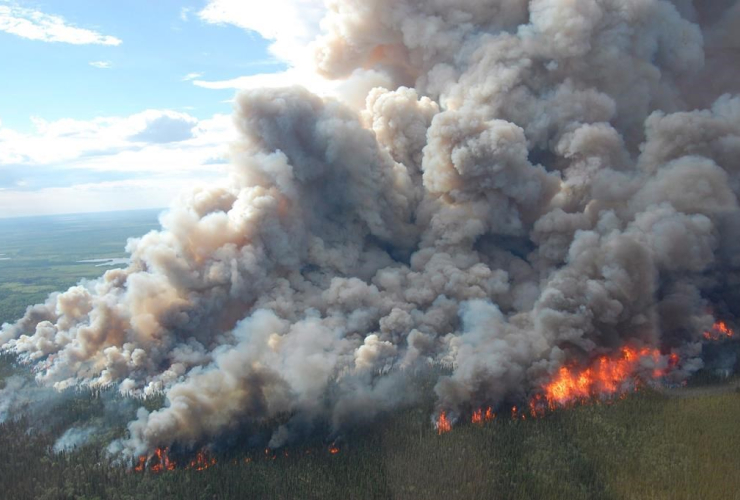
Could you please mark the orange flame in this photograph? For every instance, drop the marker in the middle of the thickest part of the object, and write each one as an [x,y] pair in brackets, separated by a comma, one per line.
[201,461]
[159,461]
[719,331]
[333,449]
[605,377]
[479,416]
[490,415]
[443,424]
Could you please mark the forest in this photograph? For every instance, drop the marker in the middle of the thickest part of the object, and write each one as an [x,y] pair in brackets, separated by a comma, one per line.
[657,444]
[679,444]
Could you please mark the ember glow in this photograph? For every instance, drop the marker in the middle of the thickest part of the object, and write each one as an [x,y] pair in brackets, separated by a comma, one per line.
[160,461]
[606,377]
[201,461]
[333,449]
[719,331]
[443,424]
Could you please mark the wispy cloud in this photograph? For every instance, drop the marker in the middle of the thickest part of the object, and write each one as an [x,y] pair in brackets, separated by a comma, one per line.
[150,140]
[185,13]
[191,76]
[36,25]
[101,64]
[125,162]
[292,76]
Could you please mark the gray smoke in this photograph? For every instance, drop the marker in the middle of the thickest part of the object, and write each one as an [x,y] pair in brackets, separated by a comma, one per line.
[535,185]
[74,437]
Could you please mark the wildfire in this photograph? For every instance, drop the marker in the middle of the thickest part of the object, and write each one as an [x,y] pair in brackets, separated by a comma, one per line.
[333,449]
[489,415]
[719,331]
[160,461]
[201,461]
[515,413]
[443,424]
[605,377]
[479,416]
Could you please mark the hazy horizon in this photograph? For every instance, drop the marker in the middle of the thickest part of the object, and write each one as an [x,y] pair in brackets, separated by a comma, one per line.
[72,214]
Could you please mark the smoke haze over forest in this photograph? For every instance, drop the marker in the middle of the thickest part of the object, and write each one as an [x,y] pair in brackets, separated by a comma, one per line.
[501,187]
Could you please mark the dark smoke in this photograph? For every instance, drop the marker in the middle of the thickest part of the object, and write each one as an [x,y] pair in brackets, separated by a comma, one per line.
[541,182]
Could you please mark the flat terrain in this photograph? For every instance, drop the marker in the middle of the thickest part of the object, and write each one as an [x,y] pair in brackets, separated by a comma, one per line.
[646,446]
[674,445]
[40,255]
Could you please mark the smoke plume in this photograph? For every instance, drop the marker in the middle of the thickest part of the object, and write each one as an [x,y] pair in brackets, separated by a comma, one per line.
[536,183]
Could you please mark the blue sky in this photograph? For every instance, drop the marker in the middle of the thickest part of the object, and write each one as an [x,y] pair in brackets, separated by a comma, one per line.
[161,43]
[108,105]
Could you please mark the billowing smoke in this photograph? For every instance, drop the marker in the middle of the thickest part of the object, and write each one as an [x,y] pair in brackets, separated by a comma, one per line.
[534,185]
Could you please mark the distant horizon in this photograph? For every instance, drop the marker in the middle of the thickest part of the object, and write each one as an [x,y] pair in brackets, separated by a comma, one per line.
[71,214]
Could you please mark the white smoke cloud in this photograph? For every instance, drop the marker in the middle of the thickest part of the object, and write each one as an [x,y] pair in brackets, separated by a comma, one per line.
[524,186]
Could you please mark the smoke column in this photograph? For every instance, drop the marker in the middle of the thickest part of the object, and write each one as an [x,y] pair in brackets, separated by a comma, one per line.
[535,183]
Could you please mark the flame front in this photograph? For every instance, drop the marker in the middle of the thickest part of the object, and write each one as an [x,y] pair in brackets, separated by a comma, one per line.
[443,424]
[160,461]
[605,377]
[719,331]
[479,416]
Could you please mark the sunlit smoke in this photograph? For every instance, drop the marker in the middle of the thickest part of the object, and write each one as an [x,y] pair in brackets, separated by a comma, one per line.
[529,197]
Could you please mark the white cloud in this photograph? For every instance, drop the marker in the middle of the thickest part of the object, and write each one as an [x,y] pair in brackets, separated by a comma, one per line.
[290,24]
[139,161]
[36,25]
[98,197]
[101,64]
[292,76]
[191,76]
[150,141]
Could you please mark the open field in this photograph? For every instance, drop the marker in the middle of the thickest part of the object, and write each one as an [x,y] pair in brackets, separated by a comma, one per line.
[40,255]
